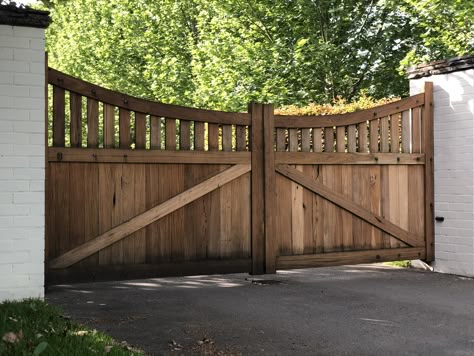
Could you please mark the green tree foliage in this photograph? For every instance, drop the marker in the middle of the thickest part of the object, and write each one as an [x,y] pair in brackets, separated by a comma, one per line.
[221,54]
[446,29]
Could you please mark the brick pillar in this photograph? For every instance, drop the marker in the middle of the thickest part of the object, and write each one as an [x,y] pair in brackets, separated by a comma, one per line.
[22,151]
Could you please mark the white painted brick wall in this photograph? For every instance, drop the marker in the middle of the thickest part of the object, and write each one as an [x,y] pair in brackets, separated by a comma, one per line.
[454,169]
[22,170]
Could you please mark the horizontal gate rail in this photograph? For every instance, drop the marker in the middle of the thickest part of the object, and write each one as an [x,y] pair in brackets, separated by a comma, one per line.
[348,158]
[350,257]
[115,155]
[140,221]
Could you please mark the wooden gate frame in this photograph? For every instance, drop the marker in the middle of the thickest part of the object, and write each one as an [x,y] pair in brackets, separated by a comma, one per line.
[263,167]
[421,246]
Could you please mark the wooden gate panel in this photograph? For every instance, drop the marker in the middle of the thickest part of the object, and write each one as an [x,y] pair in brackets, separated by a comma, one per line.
[308,223]
[181,196]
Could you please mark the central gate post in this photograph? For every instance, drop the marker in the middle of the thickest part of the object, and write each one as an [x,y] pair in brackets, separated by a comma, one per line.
[269,182]
[257,189]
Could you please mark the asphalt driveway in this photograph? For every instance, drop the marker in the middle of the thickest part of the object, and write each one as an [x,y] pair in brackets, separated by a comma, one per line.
[350,310]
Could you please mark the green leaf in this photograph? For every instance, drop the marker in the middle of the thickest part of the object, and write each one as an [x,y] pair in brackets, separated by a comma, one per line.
[40,348]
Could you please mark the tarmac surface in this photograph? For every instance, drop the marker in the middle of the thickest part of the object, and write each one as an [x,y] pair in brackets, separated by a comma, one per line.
[348,310]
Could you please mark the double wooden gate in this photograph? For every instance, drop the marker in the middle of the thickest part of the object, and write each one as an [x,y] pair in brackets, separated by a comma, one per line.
[140,189]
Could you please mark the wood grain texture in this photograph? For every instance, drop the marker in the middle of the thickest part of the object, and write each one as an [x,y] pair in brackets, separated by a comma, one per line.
[340,139]
[346,158]
[350,206]
[170,134]
[317,140]
[416,130]
[140,130]
[406,132]
[351,138]
[374,136]
[328,139]
[57,154]
[109,126]
[395,133]
[227,138]
[75,103]
[140,221]
[281,140]
[353,257]
[292,121]
[92,123]
[258,189]
[213,137]
[384,134]
[428,148]
[155,132]
[124,128]
[64,81]
[198,136]
[184,135]
[241,138]
[362,136]
[59,123]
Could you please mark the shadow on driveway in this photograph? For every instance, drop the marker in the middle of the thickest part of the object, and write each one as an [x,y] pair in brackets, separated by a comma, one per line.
[349,310]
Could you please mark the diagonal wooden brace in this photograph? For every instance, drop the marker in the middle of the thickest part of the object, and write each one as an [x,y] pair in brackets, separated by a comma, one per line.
[341,201]
[140,221]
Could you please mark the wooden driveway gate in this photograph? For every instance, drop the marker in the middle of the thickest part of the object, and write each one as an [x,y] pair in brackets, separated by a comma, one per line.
[139,189]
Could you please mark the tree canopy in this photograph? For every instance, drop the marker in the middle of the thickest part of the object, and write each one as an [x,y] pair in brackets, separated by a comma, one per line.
[221,54]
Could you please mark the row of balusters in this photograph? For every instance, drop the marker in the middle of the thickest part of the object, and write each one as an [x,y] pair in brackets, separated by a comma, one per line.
[76,121]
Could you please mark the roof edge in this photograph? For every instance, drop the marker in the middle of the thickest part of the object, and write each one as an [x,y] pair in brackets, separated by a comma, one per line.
[13,15]
[450,65]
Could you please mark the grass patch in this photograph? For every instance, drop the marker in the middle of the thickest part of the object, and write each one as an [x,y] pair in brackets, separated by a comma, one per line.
[402,264]
[33,327]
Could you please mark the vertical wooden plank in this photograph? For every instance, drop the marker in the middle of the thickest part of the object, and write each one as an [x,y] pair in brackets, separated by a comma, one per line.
[240,231]
[293,140]
[175,235]
[258,189]
[351,138]
[394,200]
[328,139]
[109,208]
[429,170]
[347,231]
[318,213]
[75,236]
[416,214]
[385,201]
[140,130]
[404,198]
[198,136]
[281,140]
[384,136]
[329,211]
[184,135]
[91,210]
[109,126]
[59,124]
[305,140]
[283,203]
[225,223]
[76,119]
[375,204]
[61,204]
[395,133]
[92,123]
[153,198]
[297,217]
[416,130]
[213,137]
[269,188]
[227,138]
[170,134]
[340,139]
[133,203]
[374,136]
[124,128]
[317,140]
[308,234]
[406,132]
[362,133]
[155,132]
[241,137]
